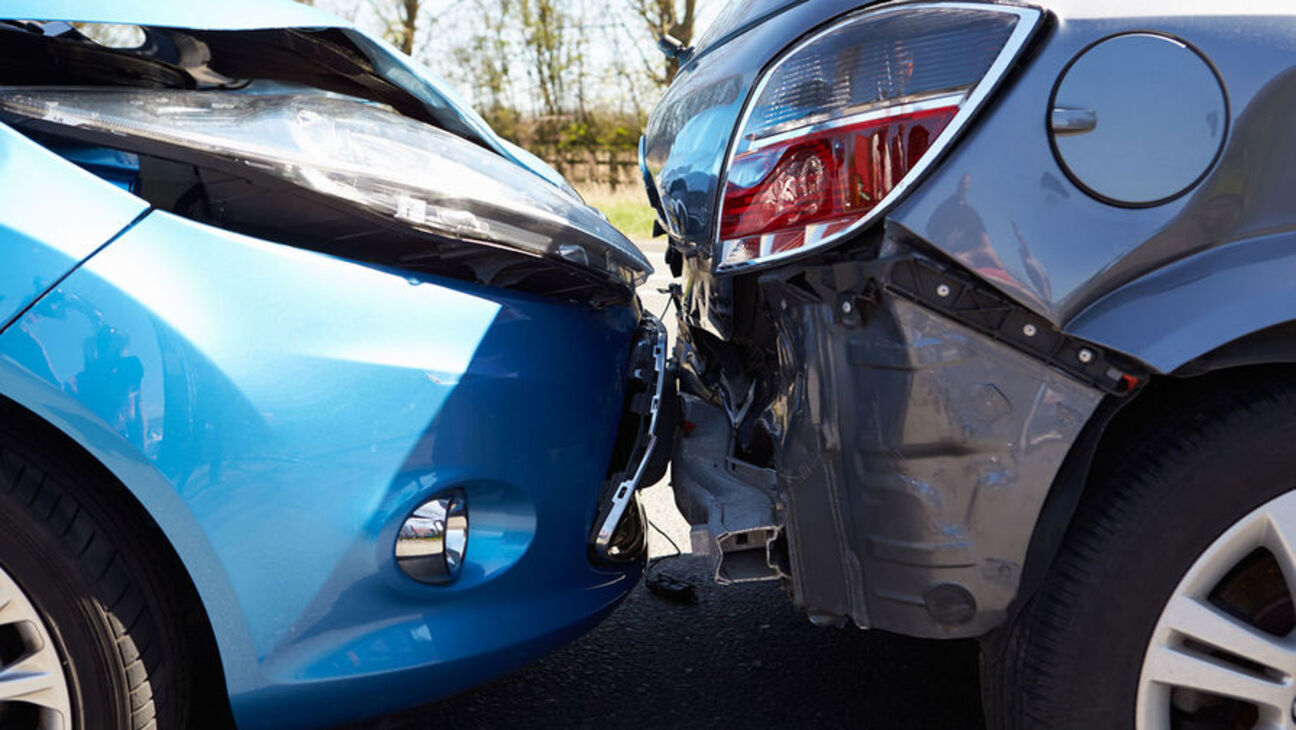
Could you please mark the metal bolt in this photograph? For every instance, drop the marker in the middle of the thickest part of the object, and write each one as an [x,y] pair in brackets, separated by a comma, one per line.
[943,291]
[847,307]
[1029,330]
[1086,356]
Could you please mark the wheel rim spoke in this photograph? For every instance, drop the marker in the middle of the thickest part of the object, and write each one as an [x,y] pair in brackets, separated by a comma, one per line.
[1280,538]
[11,610]
[36,687]
[1196,619]
[36,677]
[1183,667]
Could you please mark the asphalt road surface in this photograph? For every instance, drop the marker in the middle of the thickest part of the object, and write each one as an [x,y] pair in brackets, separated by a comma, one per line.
[739,657]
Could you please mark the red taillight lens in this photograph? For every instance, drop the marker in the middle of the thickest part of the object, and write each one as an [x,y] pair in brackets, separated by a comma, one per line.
[844,121]
[811,187]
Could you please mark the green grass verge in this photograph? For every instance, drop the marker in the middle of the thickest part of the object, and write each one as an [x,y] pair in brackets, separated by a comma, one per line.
[626,208]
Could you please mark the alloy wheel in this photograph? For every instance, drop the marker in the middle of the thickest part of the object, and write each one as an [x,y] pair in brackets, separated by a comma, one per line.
[34,692]
[1223,653]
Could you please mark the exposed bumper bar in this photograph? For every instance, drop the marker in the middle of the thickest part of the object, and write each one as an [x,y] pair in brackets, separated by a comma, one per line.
[649,372]
[732,505]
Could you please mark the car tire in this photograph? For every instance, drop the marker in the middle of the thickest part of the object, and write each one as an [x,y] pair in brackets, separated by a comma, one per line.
[80,576]
[1087,650]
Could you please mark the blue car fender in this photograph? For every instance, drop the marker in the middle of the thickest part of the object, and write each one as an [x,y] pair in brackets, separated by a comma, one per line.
[52,216]
[279,412]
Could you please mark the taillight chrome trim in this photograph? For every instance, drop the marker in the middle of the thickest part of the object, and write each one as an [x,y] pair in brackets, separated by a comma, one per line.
[923,103]
[1028,22]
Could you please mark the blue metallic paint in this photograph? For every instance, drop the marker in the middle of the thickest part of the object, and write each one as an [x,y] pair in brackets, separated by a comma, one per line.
[40,239]
[279,412]
[226,15]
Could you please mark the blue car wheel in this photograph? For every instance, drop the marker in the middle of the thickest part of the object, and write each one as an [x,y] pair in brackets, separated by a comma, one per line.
[89,631]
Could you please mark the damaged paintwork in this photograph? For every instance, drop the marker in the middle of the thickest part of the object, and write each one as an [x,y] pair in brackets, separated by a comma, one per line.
[248,357]
[453,208]
[903,443]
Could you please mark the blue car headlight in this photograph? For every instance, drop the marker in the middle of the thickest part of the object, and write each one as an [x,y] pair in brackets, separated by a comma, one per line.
[362,157]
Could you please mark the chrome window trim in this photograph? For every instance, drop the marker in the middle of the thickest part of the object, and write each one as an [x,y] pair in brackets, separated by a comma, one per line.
[1028,21]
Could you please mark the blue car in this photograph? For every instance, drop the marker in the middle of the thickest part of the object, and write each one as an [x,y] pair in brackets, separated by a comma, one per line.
[317,399]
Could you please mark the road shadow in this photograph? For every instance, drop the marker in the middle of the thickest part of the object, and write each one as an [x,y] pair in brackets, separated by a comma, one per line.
[739,657]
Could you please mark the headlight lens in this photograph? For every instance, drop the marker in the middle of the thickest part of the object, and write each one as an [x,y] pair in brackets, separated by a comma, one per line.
[842,124]
[386,164]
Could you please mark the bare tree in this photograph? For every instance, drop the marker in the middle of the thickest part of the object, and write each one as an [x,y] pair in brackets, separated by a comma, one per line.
[401,23]
[550,51]
[484,58]
[347,9]
[667,17]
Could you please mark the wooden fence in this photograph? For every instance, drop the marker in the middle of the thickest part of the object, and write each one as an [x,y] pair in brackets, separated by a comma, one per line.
[614,168]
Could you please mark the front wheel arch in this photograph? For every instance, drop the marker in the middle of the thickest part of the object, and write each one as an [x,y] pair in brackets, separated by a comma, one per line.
[208,690]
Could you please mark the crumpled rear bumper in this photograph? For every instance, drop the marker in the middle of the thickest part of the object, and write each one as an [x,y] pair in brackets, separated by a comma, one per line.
[911,457]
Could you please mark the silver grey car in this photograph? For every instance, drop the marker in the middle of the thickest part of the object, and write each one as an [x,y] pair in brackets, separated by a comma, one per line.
[987,329]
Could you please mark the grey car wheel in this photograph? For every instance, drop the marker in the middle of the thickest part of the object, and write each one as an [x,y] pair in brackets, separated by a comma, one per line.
[1225,634]
[1170,603]
[89,629]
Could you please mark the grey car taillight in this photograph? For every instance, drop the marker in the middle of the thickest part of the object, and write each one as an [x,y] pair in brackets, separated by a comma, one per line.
[846,121]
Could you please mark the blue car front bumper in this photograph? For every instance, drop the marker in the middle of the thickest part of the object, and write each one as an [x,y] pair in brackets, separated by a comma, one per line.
[280,412]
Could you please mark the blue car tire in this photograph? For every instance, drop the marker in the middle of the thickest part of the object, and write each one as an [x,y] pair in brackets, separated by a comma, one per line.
[95,590]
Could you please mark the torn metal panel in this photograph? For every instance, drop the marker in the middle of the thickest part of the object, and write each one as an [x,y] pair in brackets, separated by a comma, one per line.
[732,504]
[949,454]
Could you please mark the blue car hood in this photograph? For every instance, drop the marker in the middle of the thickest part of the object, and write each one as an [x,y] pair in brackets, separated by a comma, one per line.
[388,62]
[224,15]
